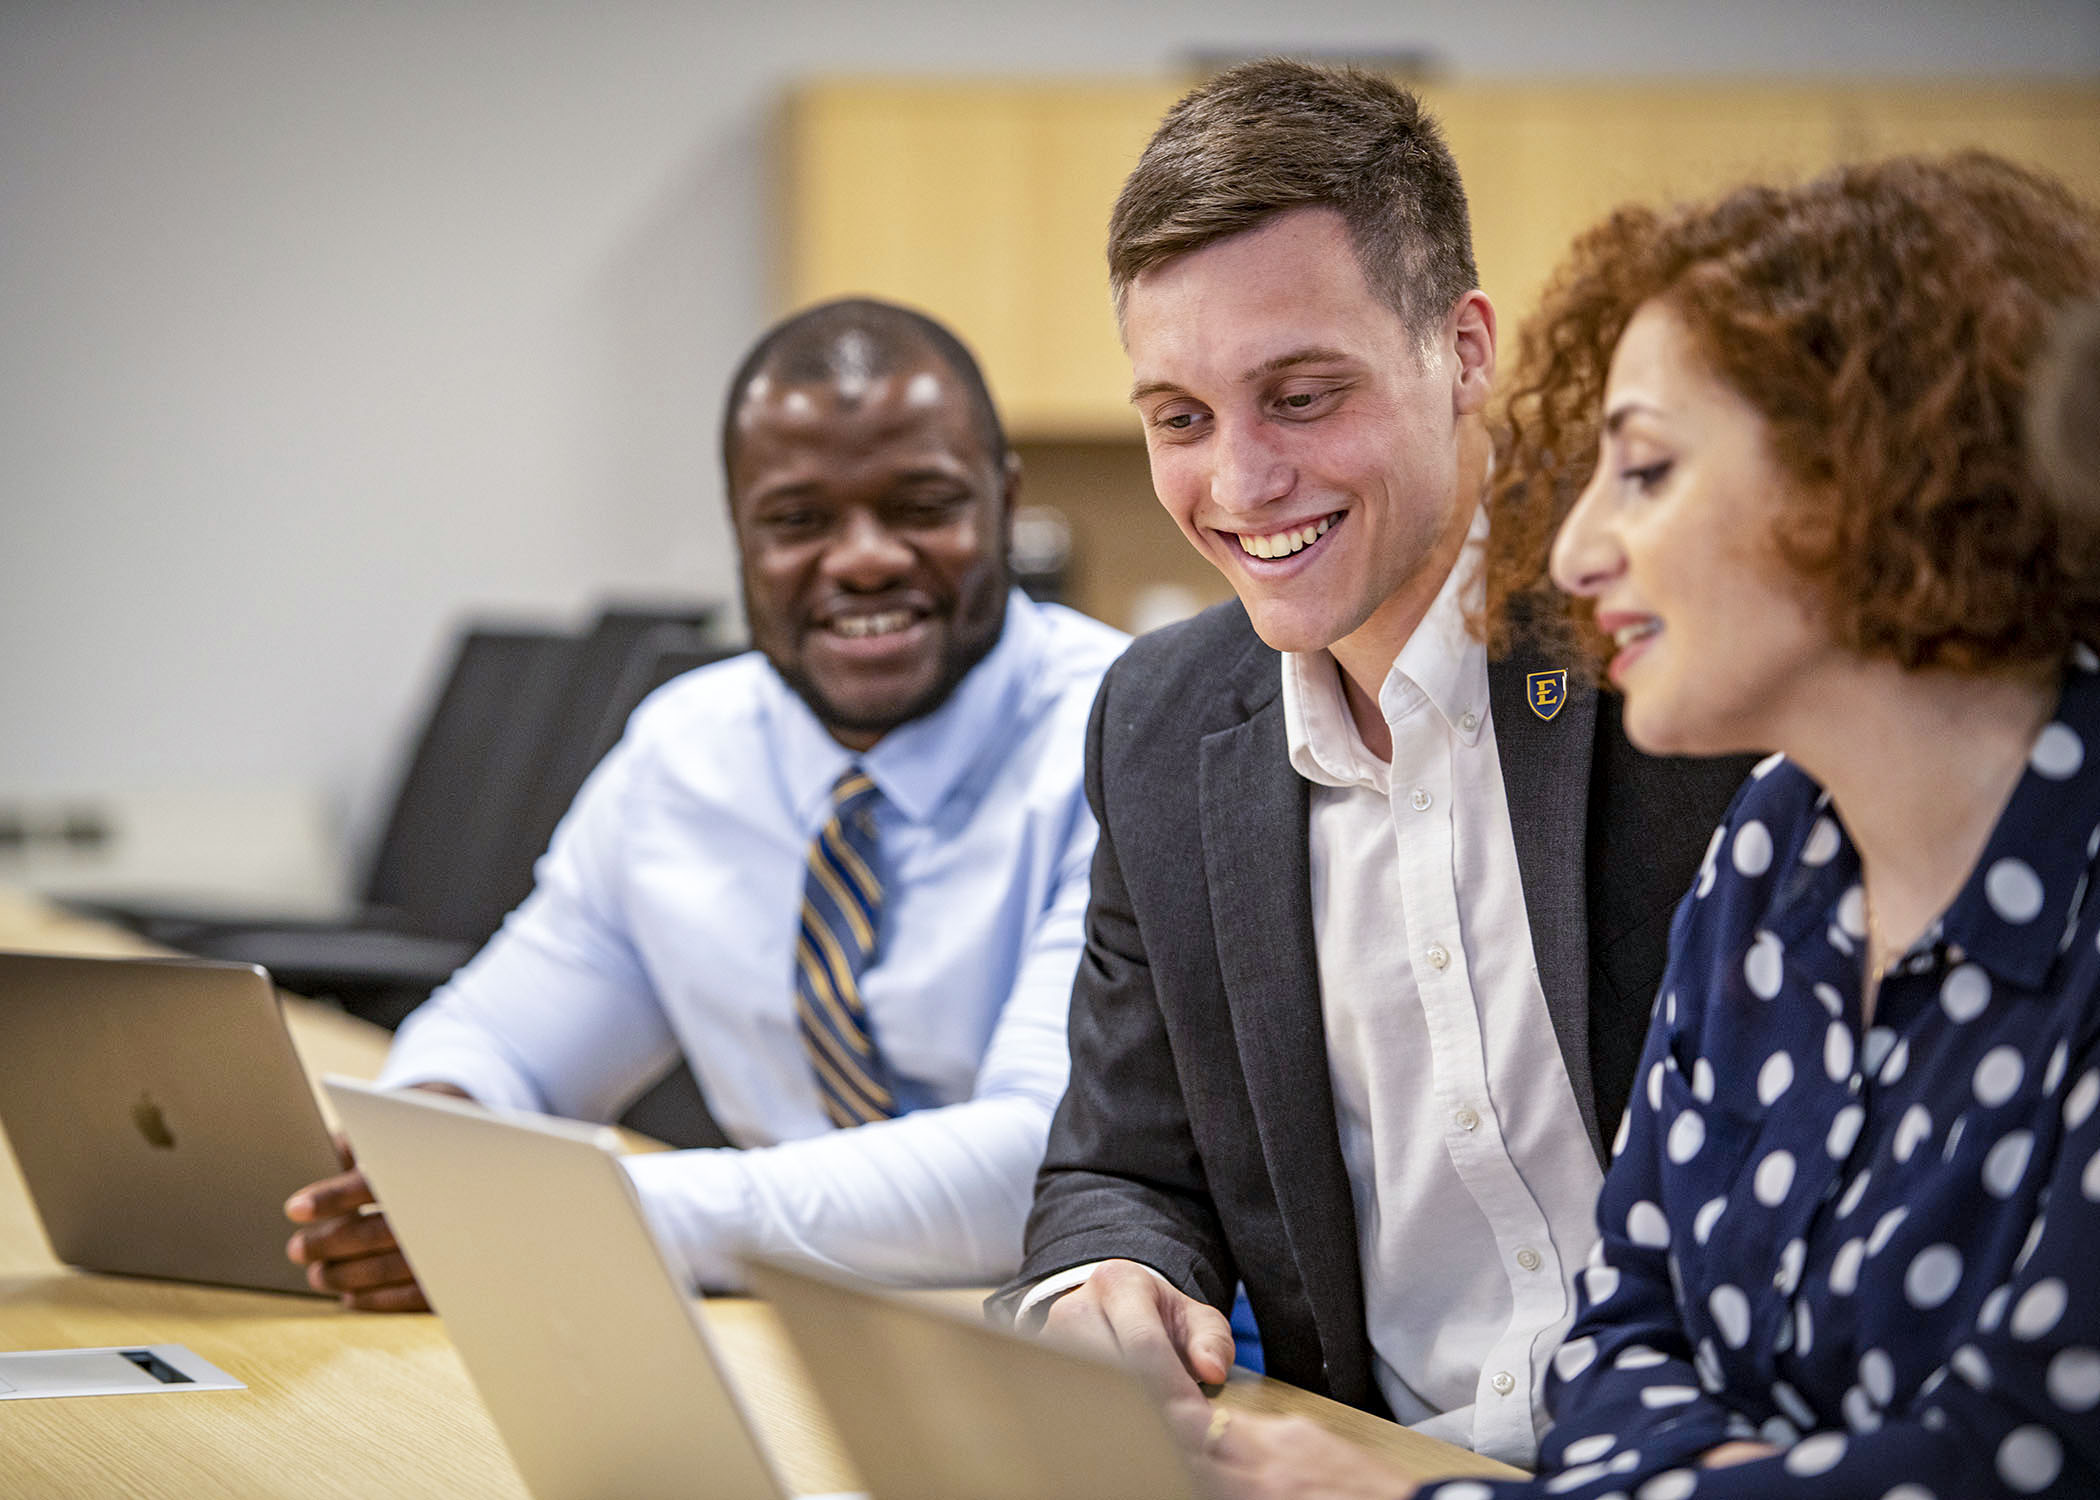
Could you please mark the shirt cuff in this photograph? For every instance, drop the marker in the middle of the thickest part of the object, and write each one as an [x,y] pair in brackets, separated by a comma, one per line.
[485,1079]
[700,1208]
[1035,1305]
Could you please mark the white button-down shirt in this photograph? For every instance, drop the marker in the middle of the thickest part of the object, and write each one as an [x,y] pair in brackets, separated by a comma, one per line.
[1474,1180]
[664,919]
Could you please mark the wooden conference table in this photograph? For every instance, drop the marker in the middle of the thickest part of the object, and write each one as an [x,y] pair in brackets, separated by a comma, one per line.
[362,1404]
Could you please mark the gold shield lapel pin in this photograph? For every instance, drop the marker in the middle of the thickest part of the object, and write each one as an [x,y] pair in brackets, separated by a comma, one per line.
[1546,692]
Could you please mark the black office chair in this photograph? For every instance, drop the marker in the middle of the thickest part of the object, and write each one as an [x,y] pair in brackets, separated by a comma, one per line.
[434,889]
[506,749]
[623,640]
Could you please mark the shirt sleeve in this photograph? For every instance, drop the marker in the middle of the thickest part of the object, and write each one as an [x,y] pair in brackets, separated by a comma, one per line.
[939,1195]
[2014,1412]
[556,1013]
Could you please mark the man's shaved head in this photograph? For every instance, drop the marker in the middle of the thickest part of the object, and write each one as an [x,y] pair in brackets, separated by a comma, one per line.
[848,345]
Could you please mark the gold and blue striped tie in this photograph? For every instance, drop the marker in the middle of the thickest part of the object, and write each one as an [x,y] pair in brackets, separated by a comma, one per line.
[841,919]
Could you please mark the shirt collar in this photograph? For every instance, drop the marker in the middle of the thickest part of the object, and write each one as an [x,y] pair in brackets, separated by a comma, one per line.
[918,764]
[2017,909]
[1442,667]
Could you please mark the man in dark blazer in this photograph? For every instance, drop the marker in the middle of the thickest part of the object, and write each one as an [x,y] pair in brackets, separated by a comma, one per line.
[1314,1050]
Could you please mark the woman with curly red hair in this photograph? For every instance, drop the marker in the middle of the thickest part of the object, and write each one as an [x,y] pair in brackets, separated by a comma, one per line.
[1849,1234]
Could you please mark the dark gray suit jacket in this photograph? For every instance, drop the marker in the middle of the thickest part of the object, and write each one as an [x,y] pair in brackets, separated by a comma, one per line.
[1198,1133]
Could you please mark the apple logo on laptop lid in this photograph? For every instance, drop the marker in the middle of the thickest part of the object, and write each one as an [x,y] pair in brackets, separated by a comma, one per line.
[152,1124]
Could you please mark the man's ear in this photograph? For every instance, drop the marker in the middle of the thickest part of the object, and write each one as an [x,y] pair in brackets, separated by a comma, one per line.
[1009,490]
[1472,342]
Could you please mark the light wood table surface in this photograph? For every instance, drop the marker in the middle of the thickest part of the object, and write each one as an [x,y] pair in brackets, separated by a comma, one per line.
[363,1404]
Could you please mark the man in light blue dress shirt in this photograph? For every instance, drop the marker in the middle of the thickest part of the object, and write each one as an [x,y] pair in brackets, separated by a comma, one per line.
[871,489]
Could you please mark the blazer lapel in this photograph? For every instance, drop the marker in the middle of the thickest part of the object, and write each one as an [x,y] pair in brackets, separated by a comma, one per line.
[1258,870]
[1546,777]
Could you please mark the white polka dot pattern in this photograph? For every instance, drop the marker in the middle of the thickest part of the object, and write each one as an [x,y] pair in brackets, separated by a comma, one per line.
[1765,966]
[2074,1379]
[1774,1078]
[1966,993]
[1844,1131]
[1775,1175]
[1687,1135]
[1845,1201]
[1752,852]
[1932,1276]
[2006,1163]
[2029,1459]
[2040,1309]
[1731,1314]
[1677,1484]
[1575,1356]
[2058,752]
[2014,890]
[1998,1076]
[1645,1225]
[1814,1455]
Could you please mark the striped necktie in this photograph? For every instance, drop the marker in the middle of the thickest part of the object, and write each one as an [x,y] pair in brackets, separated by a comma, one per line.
[841,920]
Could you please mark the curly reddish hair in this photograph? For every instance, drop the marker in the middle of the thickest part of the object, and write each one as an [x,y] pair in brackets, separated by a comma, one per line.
[1884,321]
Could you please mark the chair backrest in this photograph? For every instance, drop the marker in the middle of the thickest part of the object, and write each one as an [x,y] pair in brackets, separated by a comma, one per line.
[602,662]
[437,867]
[666,652]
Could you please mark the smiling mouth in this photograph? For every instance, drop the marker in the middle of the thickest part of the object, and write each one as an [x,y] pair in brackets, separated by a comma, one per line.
[872,625]
[1275,544]
[1635,631]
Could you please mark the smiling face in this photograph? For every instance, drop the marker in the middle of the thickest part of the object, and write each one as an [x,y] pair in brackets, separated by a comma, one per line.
[871,523]
[1718,649]
[1309,444]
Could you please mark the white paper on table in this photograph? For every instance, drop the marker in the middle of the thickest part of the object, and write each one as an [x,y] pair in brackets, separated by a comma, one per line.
[120,1370]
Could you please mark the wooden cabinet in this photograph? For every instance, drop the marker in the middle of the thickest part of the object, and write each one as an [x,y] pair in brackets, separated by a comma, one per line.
[986,203]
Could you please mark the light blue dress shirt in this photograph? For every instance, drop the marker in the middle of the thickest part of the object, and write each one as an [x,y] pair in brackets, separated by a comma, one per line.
[664,919]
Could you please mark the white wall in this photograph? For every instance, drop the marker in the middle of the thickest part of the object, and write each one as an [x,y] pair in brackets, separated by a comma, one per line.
[322,323]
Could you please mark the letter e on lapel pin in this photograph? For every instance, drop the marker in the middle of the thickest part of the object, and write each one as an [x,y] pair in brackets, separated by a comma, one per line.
[1546,692]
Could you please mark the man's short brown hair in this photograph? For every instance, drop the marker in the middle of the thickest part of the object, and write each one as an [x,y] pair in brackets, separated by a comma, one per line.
[1270,136]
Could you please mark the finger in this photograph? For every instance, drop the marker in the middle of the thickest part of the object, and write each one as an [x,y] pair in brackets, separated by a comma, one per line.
[364,1274]
[341,1239]
[343,1154]
[328,1198]
[1138,1320]
[1205,1337]
[408,1298]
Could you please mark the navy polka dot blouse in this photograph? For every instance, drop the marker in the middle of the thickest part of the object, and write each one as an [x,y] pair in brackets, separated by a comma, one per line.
[1879,1252]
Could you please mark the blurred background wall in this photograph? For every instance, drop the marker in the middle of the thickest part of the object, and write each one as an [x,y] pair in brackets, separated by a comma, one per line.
[323,325]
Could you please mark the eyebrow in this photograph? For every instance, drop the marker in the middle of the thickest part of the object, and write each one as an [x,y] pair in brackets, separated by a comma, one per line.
[1312,354]
[1616,417]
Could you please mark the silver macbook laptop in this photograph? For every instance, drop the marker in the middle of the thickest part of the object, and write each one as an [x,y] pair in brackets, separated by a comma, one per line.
[935,1405]
[159,1114]
[530,1243]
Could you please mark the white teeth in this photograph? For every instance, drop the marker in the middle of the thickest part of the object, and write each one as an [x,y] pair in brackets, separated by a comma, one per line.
[855,627]
[1284,543]
[1626,635]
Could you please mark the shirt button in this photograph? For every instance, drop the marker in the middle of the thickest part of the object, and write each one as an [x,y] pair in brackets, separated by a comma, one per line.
[1437,957]
[1469,721]
[1465,1119]
[1420,800]
[1504,1382]
[1528,1258]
